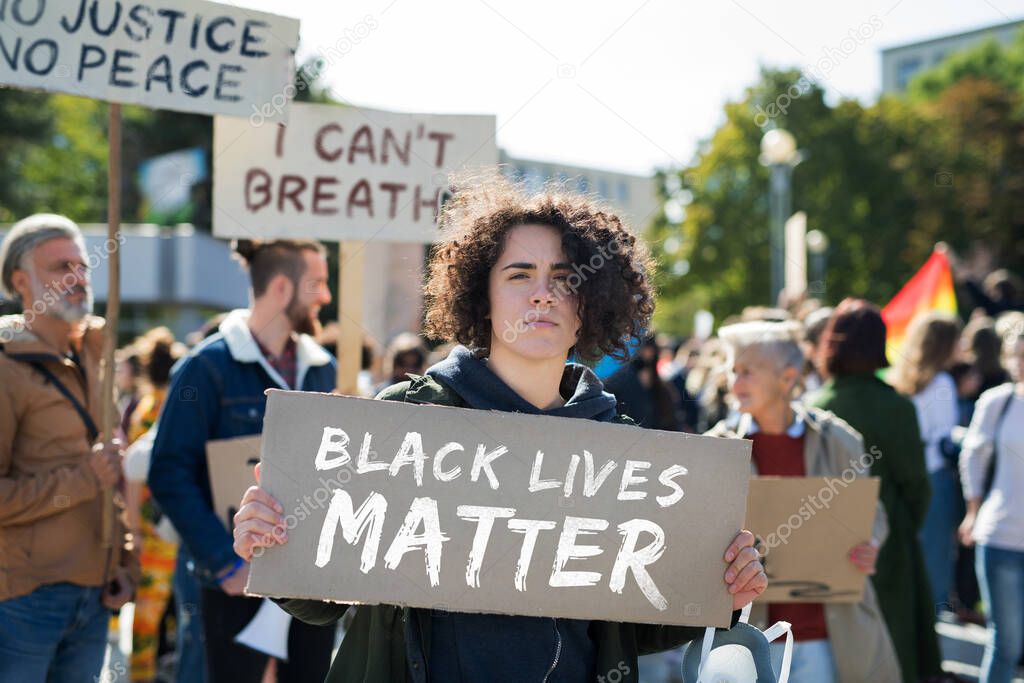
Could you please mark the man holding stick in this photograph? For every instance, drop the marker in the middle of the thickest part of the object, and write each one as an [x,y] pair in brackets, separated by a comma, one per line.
[58,579]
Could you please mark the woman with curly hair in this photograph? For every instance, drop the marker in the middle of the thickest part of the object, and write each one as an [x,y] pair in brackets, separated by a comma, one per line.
[523,284]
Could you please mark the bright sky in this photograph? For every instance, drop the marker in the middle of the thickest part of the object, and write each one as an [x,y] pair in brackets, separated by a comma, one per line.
[630,86]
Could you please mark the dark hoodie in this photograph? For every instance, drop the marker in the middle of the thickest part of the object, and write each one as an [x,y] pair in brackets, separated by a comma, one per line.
[491,647]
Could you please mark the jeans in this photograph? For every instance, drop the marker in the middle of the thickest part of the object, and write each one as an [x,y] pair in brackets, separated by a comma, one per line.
[812,661]
[1001,578]
[191,649]
[938,534]
[57,634]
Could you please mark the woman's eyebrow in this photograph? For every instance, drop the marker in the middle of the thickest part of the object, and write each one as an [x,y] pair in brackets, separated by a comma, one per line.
[529,266]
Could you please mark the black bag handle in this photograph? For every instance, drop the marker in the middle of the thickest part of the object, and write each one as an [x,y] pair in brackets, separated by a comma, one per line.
[990,474]
[90,425]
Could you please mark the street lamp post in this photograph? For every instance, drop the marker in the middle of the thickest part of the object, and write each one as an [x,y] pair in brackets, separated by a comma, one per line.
[780,155]
[817,245]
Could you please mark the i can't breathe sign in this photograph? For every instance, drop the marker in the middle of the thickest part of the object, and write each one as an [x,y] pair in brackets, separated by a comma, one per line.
[480,511]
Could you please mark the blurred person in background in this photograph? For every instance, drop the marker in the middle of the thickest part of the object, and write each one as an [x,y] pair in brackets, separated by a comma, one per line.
[126,381]
[981,346]
[58,581]
[847,643]
[814,325]
[919,372]
[852,351]
[687,405]
[405,354]
[641,392]
[992,473]
[709,383]
[158,352]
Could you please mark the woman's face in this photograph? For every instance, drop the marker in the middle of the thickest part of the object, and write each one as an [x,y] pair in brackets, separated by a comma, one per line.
[758,384]
[533,313]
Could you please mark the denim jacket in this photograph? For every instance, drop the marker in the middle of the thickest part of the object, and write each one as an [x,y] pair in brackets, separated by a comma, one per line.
[218,393]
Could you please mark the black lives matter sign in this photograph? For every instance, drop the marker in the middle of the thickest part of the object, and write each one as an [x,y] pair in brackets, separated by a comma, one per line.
[482,511]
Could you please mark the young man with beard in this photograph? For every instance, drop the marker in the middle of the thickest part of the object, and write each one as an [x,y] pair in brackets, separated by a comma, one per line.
[218,393]
[58,580]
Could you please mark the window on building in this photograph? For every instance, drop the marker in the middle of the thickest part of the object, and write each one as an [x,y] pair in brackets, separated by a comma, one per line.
[905,69]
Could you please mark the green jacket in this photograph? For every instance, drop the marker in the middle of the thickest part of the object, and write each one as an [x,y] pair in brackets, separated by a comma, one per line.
[888,423]
[374,648]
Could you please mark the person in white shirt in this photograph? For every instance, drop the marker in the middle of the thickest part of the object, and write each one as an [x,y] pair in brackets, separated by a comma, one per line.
[992,472]
[919,372]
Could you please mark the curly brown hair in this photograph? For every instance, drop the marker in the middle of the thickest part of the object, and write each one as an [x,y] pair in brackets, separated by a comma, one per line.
[611,267]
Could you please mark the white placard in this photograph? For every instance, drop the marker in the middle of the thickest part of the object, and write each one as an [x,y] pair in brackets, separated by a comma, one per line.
[185,55]
[342,173]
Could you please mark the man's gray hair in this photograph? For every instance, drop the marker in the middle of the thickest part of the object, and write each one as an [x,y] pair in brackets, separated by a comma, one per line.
[777,340]
[26,235]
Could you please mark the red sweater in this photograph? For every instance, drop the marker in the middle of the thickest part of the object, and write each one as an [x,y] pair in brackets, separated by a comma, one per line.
[782,455]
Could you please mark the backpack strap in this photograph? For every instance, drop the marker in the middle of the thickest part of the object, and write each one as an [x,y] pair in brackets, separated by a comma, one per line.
[990,474]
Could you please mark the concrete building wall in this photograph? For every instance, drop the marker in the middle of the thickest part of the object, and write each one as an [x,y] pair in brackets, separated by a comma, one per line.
[901,62]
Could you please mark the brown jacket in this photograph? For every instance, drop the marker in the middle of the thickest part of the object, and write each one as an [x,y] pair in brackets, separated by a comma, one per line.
[50,500]
[861,645]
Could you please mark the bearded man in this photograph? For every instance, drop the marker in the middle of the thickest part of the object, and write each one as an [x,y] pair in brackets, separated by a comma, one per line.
[217,393]
[59,580]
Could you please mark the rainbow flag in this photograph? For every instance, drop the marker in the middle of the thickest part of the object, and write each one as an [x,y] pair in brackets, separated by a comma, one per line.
[931,289]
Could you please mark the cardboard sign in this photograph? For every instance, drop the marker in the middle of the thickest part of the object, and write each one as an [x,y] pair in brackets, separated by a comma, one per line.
[342,173]
[485,511]
[186,55]
[230,463]
[806,527]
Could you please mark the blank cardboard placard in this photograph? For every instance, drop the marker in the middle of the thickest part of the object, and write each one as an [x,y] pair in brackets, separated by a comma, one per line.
[805,527]
[485,511]
[342,173]
[230,462]
[185,55]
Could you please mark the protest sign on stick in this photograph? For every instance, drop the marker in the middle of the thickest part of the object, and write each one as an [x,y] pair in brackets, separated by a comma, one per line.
[185,55]
[805,528]
[485,511]
[342,173]
[345,174]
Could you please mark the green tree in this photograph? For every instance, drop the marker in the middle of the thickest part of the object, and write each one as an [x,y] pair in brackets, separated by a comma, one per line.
[26,120]
[849,184]
[884,183]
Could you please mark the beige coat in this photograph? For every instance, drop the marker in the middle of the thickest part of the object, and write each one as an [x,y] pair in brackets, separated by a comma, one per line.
[50,500]
[860,639]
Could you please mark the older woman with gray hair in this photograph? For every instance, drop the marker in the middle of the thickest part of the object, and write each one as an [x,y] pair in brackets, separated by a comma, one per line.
[834,642]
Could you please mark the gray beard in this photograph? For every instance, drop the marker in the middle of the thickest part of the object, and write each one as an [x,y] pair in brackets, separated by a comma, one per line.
[57,303]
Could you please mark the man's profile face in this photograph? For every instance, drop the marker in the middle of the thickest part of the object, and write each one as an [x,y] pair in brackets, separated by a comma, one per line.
[312,293]
[56,283]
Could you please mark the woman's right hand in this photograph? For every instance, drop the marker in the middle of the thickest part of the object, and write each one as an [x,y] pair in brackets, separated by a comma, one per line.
[259,522]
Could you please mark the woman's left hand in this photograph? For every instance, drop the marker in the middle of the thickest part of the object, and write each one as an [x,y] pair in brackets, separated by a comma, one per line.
[745,576]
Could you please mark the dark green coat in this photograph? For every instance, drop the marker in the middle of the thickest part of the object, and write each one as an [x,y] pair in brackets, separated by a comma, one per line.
[374,649]
[888,423]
